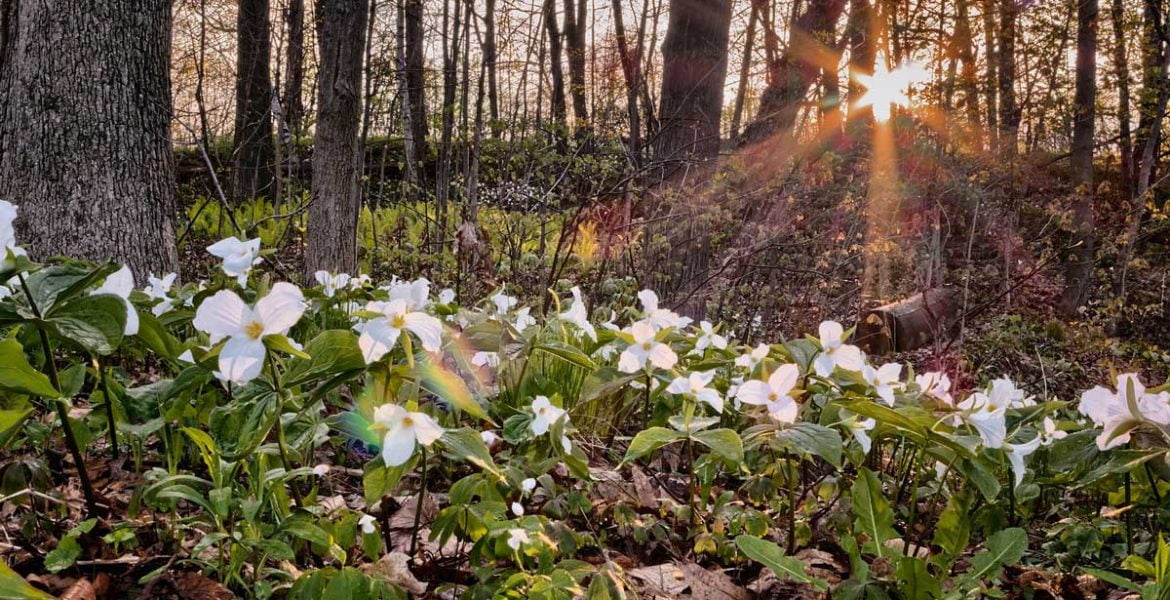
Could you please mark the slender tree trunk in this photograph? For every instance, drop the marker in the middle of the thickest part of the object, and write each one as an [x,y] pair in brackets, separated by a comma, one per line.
[337,157]
[254,149]
[745,67]
[992,76]
[410,150]
[1121,70]
[632,79]
[1153,78]
[452,26]
[575,14]
[862,35]
[489,63]
[694,57]
[73,94]
[294,84]
[556,68]
[415,65]
[793,73]
[1009,110]
[967,75]
[1079,271]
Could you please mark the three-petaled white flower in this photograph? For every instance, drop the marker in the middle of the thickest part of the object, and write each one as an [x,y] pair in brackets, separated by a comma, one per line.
[238,257]
[1118,413]
[988,415]
[160,289]
[528,485]
[544,415]
[517,537]
[775,394]
[415,293]
[1051,432]
[403,431]
[936,385]
[708,338]
[645,349]
[884,380]
[331,282]
[697,385]
[225,315]
[749,360]
[446,296]
[120,283]
[367,524]
[524,320]
[660,318]
[859,428]
[835,352]
[1016,453]
[503,302]
[578,315]
[378,336]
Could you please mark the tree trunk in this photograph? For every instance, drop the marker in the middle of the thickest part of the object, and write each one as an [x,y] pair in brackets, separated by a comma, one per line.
[337,158]
[556,68]
[744,71]
[967,77]
[415,59]
[85,145]
[575,15]
[489,62]
[862,54]
[632,79]
[694,56]
[294,83]
[1009,111]
[792,74]
[254,150]
[1079,271]
[1153,78]
[990,61]
[1121,68]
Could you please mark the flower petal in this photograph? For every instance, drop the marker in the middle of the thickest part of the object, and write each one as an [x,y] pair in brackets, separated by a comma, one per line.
[222,315]
[426,430]
[241,359]
[281,308]
[376,339]
[428,329]
[397,446]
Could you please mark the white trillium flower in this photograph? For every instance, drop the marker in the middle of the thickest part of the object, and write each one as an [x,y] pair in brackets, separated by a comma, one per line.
[578,315]
[403,430]
[446,296]
[120,283]
[517,537]
[752,359]
[708,338]
[503,302]
[358,281]
[660,318]
[367,524]
[225,315]
[322,470]
[1051,433]
[697,385]
[160,289]
[609,323]
[378,336]
[518,509]
[489,438]
[1117,413]
[775,394]
[528,485]
[988,416]
[544,415]
[524,320]
[331,282]
[1016,454]
[835,352]
[936,385]
[645,349]
[884,380]
[859,429]
[1003,391]
[415,293]
[238,257]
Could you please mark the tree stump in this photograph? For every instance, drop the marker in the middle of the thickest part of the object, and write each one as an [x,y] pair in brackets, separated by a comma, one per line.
[907,324]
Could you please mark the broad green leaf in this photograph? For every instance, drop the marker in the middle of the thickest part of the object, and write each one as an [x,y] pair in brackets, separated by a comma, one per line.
[649,440]
[449,387]
[14,587]
[1005,547]
[280,343]
[810,438]
[914,581]
[61,283]
[954,527]
[467,445]
[770,555]
[303,529]
[96,323]
[725,442]
[155,336]
[568,354]
[331,352]
[874,518]
[1111,577]
[18,376]
[604,382]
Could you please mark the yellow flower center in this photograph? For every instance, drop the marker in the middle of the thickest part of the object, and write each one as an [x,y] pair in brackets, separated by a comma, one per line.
[647,346]
[254,329]
[398,321]
[543,410]
[407,421]
[773,397]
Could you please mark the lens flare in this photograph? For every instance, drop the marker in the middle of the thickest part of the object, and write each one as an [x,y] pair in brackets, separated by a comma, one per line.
[886,88]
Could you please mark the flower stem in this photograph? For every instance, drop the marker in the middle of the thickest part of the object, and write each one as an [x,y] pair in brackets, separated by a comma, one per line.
[280,439]
[418,505]
[111,420]
[62,407]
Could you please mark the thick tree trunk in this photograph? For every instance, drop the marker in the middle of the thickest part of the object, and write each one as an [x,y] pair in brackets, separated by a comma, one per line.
[333,216]
[1079,271]
[254,150]
[694,56]
[294,83]
[1009,110]
[575,15]
[85,146]
[793,73]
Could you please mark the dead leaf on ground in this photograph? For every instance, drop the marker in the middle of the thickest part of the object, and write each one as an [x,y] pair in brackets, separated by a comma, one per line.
[712,584]
[403,518]
[395,568]
[667,578]
[185,586]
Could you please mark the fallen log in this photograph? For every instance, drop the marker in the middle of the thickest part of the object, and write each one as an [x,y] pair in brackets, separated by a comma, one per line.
[907,324]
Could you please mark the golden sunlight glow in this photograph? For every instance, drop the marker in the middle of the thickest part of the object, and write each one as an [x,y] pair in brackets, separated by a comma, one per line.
[886,88]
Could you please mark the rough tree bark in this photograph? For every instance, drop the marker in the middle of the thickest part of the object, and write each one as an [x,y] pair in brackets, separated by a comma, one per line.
[1079,269]
[1009,110]
[254,149]
[415,59]
[694,56]
[556,68]
[1121,70]
[575,15]
[790,77]
[294,83]
[85,146]
[632,79]
[337,160]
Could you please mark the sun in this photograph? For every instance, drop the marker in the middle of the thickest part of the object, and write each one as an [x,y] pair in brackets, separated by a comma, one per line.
[885,88]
